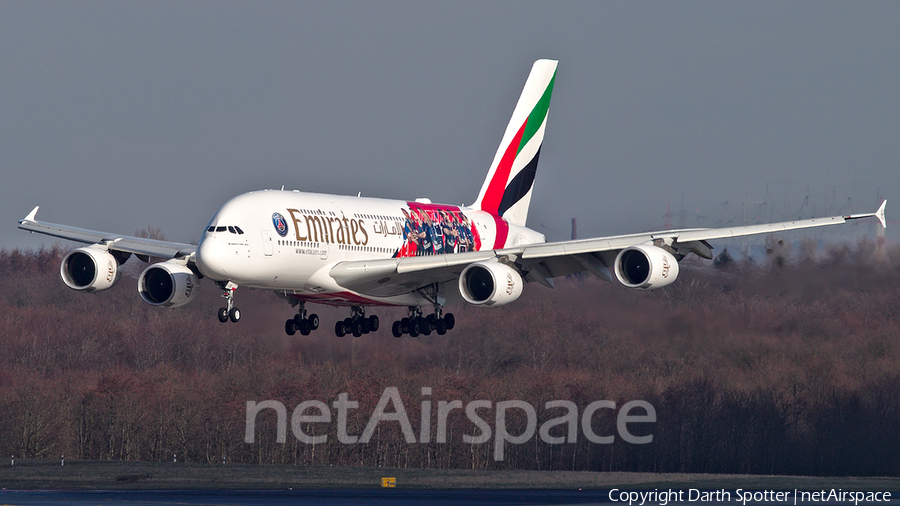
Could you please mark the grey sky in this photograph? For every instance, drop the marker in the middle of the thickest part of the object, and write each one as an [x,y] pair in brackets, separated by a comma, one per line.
[119,115]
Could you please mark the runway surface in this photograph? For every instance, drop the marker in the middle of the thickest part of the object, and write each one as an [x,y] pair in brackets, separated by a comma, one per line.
[377,497]
[310,497]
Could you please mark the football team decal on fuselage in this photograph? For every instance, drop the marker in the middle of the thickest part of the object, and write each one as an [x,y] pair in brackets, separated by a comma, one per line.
[280,223]
[430,229]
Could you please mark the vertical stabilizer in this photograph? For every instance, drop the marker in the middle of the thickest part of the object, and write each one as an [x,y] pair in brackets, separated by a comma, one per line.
[507,189]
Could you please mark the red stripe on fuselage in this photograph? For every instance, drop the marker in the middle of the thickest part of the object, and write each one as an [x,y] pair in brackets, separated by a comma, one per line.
[494,194]
[339,299]
[502,232]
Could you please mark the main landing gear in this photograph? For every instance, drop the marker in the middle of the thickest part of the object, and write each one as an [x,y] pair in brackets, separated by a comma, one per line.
[229,312]
[416,324]
[357,324]
[302,322]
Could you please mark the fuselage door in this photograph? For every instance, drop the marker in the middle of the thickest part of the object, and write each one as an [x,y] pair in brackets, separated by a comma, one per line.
[268,243]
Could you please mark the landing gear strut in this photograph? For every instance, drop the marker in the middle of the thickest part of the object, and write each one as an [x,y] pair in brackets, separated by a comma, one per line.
[229,312]
[357,324]
[416,324]
[302,322]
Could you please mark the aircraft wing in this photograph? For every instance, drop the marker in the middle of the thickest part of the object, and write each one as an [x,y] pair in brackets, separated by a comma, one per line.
[395,276]
[568,257]
[544,261]
[140,246]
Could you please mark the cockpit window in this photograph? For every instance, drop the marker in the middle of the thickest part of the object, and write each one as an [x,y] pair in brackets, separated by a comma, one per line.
[225,228]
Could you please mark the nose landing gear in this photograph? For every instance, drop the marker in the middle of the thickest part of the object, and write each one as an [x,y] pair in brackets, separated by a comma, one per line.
[229,312]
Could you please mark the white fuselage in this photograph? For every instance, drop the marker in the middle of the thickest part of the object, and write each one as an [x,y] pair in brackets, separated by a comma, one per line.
[288,241]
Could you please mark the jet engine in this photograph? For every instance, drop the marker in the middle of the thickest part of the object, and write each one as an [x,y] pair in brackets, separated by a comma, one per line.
[646,267]
[168,284]
[490,284]
[90,269]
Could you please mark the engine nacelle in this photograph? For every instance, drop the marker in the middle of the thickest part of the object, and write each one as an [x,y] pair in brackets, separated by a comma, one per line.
[490,284]
[646,267]
[168,284]
[90,269]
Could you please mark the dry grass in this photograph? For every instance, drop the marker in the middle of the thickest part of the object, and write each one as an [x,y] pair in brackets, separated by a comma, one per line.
[752,370]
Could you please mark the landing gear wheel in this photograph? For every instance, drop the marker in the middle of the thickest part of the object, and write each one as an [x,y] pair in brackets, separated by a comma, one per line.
[397,329]
[414,327]
[450,320]
[358,327]
[441,327]
[229,311]
[339,329]
[372,323]
[290,327]
[313,321]
[304,328]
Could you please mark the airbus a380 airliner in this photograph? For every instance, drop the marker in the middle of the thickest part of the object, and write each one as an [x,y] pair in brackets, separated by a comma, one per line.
[366,252]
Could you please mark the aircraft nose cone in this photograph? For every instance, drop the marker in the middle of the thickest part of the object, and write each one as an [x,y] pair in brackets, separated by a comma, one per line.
[212,260]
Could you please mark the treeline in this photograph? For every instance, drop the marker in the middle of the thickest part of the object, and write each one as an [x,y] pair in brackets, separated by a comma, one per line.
[789,365]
